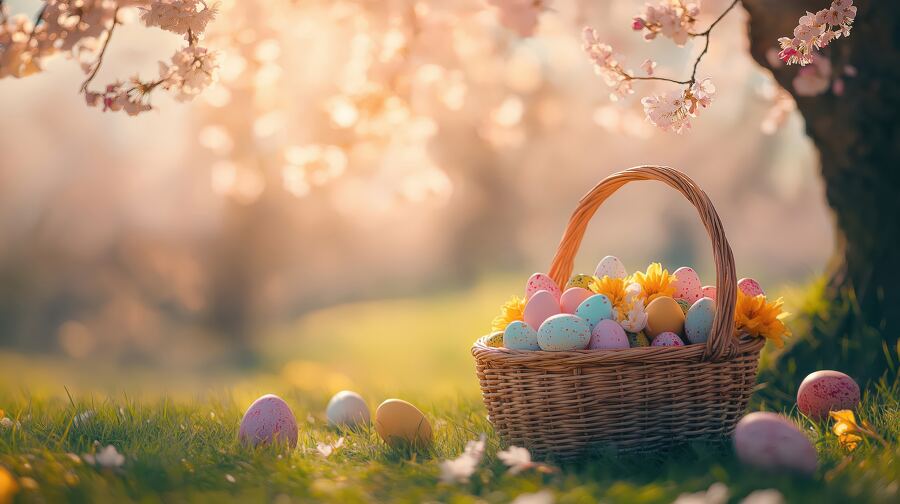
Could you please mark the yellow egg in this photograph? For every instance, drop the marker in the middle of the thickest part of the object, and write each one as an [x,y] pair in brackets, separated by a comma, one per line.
[399,424]
[583,281]
[495,339]
[664,314]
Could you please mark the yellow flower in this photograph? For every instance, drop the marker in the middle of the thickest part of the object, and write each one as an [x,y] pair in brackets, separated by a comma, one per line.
[8,486]
[613,289]
[656,282]
[755,316]
[846,429]
[514,309]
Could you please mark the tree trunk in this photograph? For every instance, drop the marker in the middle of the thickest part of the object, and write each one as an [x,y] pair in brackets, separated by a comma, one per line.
[859,145]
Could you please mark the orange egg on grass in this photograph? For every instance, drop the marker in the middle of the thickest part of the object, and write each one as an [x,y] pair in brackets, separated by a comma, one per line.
[400,424]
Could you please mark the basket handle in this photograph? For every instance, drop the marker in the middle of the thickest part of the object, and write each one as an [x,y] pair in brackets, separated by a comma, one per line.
[720,343]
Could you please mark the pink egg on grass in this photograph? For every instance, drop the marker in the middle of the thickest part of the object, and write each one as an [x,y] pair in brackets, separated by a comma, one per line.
[825,391]
[687,285]
[539,308]
[750,287]
[607,335]
[539,282]
[268,420]
[709,291]
[772,442]
[667,338]
[572,298]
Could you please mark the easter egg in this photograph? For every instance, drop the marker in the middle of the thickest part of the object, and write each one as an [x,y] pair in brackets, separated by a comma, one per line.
[564,332]
[699,320]
[541,306]
[594,309]
[825,391]
[495,340]
[539,282]
[685,306]
[750,287]
[709,291]
[520,336]
[667,339]
[664,315]
[347,409]
[400,424]
[583,281]
[572,298]
[268,420]
[612,267]
[687,284]
[638,340]
[608,334]
[769,441]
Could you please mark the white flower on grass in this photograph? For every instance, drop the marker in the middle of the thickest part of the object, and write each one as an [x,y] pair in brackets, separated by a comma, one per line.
[6,423]
[519,459]
[108,457]
[326,449]
[769,496]
[229,478]
[716,494]
[83,417]
[542,497]
[459,470]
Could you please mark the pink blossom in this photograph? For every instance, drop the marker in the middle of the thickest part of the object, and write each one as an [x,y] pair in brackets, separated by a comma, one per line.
[607,65]
[672,18]
[813,79]
[673,111]
[521,16]
[816,31]
[648,66]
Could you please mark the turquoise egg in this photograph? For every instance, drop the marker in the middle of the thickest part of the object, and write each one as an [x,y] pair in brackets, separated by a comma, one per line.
[564,332]
[520,336]
[594,309]
[699,320]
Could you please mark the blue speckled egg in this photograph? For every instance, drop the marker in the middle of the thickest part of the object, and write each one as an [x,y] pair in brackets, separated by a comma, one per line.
[594,309]
[699,320]
[520,336]
[564,332]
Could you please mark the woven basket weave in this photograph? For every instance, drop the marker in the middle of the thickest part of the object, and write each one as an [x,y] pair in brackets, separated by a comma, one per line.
[566,404]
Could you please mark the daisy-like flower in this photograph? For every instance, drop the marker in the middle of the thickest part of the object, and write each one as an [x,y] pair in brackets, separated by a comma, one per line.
[459,470]
[755,316]
[512,310]
[656,282]
[519,459]
[632,316]
[613,289]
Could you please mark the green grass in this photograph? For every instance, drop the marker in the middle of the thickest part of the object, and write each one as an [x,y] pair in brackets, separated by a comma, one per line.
[179,436]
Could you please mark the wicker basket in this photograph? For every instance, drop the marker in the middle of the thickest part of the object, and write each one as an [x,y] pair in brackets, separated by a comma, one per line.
[564,405]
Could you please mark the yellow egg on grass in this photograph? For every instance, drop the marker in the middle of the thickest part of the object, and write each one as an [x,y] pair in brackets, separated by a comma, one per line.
[664,314]
[400,424]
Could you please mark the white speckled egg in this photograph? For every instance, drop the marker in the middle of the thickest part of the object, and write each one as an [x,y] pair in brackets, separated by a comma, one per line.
[347,409]
[687,284]
[709,291]
[612,267]
[594,309]
[572,298]
[520,336]
[608,334]
[541,306]
[539,282]
[772,442]
[564,332]
[750,287]
[269,419]
[699,320]
[667,339]
[825,391]
[400,424]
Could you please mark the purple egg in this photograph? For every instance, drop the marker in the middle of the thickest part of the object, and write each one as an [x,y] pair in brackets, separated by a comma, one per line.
[667,339]
[772,442]
[607,335]
[268,420]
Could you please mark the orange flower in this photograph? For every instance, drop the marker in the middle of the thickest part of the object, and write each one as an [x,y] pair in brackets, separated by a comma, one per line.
[514,309]
[656,282]
[613,289]
[755,316]
[846,429]
[8,486]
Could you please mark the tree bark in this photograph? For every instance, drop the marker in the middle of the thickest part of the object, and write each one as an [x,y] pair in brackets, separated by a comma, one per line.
[858,140]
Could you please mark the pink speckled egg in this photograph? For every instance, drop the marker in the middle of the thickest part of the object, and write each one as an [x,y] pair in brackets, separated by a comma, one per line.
[573,297]
[539,308]
[268,420]
[687,285]
[750,287]
[825,391]
[667,339]
[539,282]
[709,291]
[608,334]
[772,442]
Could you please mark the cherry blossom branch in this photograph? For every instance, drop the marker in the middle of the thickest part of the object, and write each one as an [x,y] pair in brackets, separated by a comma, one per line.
[99,61]
[705,34]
